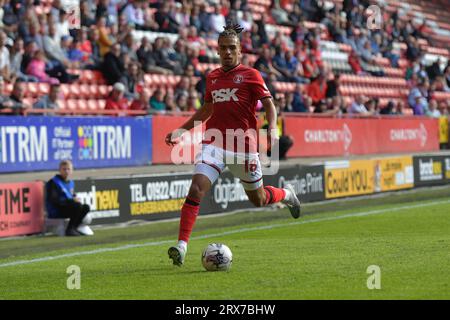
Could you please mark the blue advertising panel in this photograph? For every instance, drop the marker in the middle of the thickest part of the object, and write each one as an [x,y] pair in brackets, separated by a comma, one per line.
[40,143]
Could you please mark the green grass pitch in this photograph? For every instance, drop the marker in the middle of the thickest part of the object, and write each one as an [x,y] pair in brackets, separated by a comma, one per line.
[323,255]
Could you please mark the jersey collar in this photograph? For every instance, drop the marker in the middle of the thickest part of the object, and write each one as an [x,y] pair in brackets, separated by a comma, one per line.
[232,69]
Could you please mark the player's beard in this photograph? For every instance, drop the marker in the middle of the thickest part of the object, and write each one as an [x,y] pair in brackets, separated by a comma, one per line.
[229,63]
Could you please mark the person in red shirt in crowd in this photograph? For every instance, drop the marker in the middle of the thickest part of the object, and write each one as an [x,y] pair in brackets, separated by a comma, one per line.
[142,103]
[353,61]
[317,89]
[116,99]
[310,66]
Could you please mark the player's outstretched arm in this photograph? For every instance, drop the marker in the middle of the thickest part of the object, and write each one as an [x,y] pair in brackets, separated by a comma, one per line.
[271,116]
[201,114]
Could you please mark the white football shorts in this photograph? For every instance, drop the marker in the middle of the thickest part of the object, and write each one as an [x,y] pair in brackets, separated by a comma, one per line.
[212,160]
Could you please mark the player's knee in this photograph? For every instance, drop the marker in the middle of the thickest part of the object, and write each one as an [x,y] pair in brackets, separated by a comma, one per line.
[196,191]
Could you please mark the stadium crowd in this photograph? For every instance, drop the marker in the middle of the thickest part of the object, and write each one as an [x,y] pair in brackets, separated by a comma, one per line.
[39,46]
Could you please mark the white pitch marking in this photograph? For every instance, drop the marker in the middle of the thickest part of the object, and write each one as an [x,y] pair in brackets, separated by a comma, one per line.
[272,226]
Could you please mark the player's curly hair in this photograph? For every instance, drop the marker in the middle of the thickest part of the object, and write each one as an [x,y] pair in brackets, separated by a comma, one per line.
[231,30]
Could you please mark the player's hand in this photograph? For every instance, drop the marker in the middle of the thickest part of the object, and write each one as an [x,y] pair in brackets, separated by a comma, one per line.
[272,137]
[173,137]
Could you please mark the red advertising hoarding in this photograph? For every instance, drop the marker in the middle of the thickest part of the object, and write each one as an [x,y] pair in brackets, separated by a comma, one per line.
[346,136]
[162,153]
[21,208]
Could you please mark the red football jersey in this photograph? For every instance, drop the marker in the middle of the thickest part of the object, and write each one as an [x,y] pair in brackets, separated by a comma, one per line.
[235,94]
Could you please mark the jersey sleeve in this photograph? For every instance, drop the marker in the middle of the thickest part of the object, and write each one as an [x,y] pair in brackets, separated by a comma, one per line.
[208,96]
[259,88]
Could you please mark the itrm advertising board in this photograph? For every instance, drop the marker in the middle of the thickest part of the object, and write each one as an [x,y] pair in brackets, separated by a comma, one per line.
[40,143]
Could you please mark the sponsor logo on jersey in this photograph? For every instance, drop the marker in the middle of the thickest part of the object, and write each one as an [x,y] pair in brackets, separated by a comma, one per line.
[224,95]
[239,78]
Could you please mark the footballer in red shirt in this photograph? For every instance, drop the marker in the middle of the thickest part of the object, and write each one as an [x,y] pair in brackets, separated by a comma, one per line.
[232,93]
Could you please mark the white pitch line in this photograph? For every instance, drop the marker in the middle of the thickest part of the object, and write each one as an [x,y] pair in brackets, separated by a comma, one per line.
[272,226]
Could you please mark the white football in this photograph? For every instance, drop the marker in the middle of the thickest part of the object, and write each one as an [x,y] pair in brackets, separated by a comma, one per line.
[217,257]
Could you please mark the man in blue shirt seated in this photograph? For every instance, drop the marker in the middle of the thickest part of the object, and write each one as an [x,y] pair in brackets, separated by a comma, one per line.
[61,201]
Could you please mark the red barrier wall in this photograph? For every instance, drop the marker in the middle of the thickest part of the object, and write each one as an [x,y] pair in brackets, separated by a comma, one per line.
[162,125]
[21,208]
[319,136]
[346,136]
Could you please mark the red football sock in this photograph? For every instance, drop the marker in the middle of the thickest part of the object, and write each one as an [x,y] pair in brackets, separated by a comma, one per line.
[274,195]
[189,213]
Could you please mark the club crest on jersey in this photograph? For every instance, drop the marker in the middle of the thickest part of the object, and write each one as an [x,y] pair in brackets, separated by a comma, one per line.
[224,95]
[239,78]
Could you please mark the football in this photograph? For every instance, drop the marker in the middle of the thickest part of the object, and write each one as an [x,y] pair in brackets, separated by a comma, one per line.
[217,257]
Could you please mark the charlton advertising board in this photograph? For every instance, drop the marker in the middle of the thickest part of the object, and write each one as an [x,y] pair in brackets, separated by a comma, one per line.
[315,137]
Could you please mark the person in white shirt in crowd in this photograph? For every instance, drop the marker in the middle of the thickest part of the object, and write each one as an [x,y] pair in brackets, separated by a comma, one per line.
[433,110]
[358,107]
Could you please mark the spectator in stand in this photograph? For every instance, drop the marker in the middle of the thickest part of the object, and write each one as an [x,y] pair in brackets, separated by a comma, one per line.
[134,13]
[182,87]
[413,50]
[133,81]
[182,16]
[418,105]
[261,30]
[57,62]
[280,16]
[358,107]
[129,47]
[400,108]
[246,21]
[182,102]
[116,100]
[15,100]
[15,61]
[193,101]
[247,43]
[433,109]
[332,85]
[264,64]
[354,62]
[162,58]
[146,58]
[5,71]
[368,61]
[105,40]
[142,103]
[217,20]
[113,67]
[389,109]
[205,19]
[36,68]
[294,68]
[157,102]
[165,19]
[299,103]
[87,17]
[421,90]
[49,101]
[169,100]
[444,107]
[310,66]
[317,89]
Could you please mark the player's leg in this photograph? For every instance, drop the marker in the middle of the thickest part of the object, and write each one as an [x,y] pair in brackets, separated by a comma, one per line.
[250,174]
[199,187]
[209,165]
